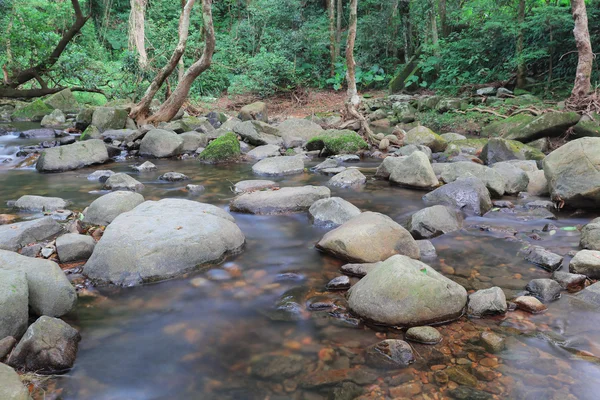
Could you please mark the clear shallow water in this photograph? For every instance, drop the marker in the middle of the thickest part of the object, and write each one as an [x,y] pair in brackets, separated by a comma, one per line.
[174,340]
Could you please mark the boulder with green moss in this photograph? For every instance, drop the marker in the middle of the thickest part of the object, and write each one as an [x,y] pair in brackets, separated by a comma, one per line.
[505,126]
[34,111]
[91,132]
[84,118]
[106,118]
[587,126]
[522,100]
[223,148]
[497,150]
[55,118]
[404,112]
[546,125]
[422,135]
[337,142]
[445,105]
[63,101]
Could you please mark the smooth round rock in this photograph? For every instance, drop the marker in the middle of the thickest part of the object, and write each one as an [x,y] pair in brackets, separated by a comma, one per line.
[423,334]
[390,353]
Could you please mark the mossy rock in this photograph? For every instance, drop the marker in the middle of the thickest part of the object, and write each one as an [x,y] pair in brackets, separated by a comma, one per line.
[337,142]
[497,150]
[223,148]
[468,146]
[524,100]
[551,124]
[91,132]
[424,136]
[64,101]
[587,128]
[505,126]
[34,111]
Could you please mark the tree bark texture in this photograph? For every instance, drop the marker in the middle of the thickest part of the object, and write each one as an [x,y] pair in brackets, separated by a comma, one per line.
[137,36]
[584,49]
[521,70]
[332,32]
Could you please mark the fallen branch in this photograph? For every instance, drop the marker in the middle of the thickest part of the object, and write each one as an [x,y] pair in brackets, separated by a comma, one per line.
[33,93]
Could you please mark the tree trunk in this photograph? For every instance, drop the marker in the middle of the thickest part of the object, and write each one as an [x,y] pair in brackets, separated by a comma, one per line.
[434,31]
[521,81]
[352,93]
[407,29]
[584,48]
[395,27]
[172,105]
[141,110]
[332,43]
[136,30]
[31,73]
[443,18]
[338,34]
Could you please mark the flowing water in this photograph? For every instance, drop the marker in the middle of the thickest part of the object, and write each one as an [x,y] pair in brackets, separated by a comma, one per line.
[200,339]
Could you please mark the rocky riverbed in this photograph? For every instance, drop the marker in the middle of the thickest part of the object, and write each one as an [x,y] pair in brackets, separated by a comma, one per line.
[191,284]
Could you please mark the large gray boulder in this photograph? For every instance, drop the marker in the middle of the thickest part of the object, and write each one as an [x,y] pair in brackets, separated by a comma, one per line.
[11,387]
[72,156]
[296,128]
[55,118]
[40,203]
[586,262]
[411,148]
[413,171]
[351,177]
[50,292]
[64,101]
[280,201]
[546,125]
[405,292]
[106,118]
[515,179]
[105,209]
[573,173]
[162,239]
[285,165]
[192,141]
[434,221]
[258,133]
[466,194]
[265,151]
[14,302]
[74,247]
[122,181]
[118,134]
[368,238]
[466,169]
[332,212]
[254,111]
[20,234]
[160,143]
[590,235]
[538,184]
[49,346]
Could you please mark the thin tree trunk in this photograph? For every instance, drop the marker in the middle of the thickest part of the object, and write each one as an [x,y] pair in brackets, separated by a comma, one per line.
[434,31]
[443,18]
[141,110]
[31,73]
[521,81]
[395,27]
[332,43]
[172,105]
[407,29]
[137,30]
[338,34]
[352,93]
[584,48]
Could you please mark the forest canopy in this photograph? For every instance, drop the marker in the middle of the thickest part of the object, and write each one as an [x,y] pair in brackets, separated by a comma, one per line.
[268,46]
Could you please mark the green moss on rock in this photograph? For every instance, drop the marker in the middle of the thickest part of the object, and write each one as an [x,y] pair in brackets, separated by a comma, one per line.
[503,127]
[337,142]
[223,148]
[34,111]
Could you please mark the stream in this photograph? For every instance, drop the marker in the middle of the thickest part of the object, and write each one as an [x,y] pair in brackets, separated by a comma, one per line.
[190,338]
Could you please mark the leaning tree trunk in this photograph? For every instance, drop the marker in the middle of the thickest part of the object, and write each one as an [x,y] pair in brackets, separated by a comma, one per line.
[174,102]
[353,100]
[137,31]
[141,110]
[584,48]
[332,43]
[21,77]
[521,82]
